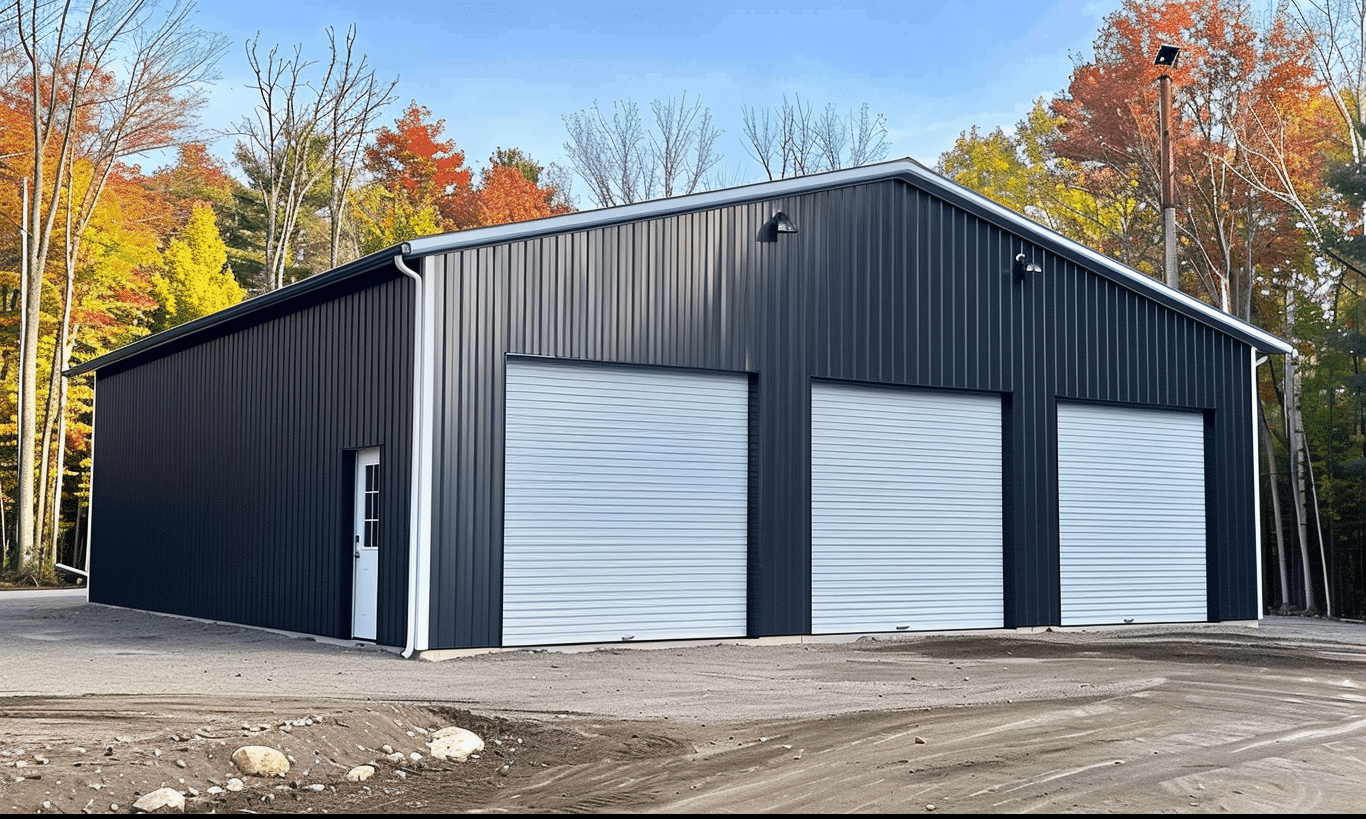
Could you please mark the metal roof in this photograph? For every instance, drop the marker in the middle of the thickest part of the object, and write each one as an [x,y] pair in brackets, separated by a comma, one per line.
[907,170]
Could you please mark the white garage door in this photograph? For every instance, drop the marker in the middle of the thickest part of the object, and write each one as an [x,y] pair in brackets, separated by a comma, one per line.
[1131,515]
[905,510]
[625,505]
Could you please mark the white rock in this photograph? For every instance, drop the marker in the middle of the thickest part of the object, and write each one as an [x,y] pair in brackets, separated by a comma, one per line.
[235,785]
[259,760]
[396,758]
[214,790]
[455,743]
[360,773]
[161,798]
[415,757]
[317,786]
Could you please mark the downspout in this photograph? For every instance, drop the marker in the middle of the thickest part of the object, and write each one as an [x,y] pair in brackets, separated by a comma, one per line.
[90,490]
[419,522]
[1257,480]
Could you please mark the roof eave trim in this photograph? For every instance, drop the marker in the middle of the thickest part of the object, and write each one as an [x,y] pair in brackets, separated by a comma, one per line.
[1258,338]
[365,264]
[907,169]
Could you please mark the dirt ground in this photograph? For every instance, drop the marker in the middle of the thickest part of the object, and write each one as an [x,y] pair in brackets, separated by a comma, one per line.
[99,706]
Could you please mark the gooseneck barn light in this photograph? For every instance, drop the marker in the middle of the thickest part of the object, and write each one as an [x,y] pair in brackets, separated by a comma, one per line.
[1023,267]
[778,224]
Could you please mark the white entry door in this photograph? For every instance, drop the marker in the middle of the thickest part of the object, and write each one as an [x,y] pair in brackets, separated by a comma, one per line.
[365,545]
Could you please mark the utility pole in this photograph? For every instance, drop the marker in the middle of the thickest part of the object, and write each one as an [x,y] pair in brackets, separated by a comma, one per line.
[1166,57]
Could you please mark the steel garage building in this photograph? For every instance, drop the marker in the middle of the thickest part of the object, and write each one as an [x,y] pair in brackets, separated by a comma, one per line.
[681,419]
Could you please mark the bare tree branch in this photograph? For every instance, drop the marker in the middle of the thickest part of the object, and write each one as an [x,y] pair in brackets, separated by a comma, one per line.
[303,133]
[792,140]
[623,162]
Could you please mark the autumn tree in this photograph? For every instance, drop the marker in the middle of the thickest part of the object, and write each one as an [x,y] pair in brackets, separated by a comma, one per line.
[419,171]
[1335,31]
[623,160]
[195,278]
[1234,72]
[505,194]
[96,81]
[1089,203]
[304,138]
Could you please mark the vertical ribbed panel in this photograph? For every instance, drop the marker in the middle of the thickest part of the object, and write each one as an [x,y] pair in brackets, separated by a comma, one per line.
[1131,498]
[884,284]
[625,503]
[905,509]
[223,463]
[225,474]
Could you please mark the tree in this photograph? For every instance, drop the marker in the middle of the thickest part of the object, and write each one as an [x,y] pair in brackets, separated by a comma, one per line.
[506,195]
[623,161]
[1335,31]
[196,279]
[383,218]
[303,139]
[417,170]
[551,182]
[97,81]
[793,139]
[1093,205]
[197,177]
[1232,73]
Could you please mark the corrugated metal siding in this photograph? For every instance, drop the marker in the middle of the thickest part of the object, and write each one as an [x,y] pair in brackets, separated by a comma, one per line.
[884,284]
[626,502]
[223,489]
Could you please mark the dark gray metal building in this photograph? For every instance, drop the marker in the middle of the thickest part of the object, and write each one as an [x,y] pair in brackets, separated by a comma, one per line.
[678,419]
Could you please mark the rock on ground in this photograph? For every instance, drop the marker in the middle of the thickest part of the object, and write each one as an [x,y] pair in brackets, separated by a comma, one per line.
[260,760]
[168,798]
[455,743]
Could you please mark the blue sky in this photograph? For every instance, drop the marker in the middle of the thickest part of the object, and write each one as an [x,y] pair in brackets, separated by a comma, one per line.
[505,73]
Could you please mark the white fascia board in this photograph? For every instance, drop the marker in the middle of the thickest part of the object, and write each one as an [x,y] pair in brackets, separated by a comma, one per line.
[923,177]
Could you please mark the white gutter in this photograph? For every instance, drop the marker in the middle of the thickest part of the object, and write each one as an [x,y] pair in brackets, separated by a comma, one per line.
[419,491]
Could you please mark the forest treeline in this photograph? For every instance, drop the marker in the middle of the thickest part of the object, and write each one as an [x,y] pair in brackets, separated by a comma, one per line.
[331,163]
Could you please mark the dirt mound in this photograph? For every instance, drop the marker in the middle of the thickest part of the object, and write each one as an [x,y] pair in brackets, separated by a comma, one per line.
[163,744]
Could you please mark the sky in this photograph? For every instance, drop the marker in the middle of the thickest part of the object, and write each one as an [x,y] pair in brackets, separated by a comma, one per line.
[504,74]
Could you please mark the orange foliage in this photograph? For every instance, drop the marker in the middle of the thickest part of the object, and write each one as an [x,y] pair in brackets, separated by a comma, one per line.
[411,160]
[197,177]
[1244,100]
[506,195]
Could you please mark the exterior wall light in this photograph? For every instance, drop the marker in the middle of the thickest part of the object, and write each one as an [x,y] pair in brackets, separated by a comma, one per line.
[779,223]
[1024,267]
